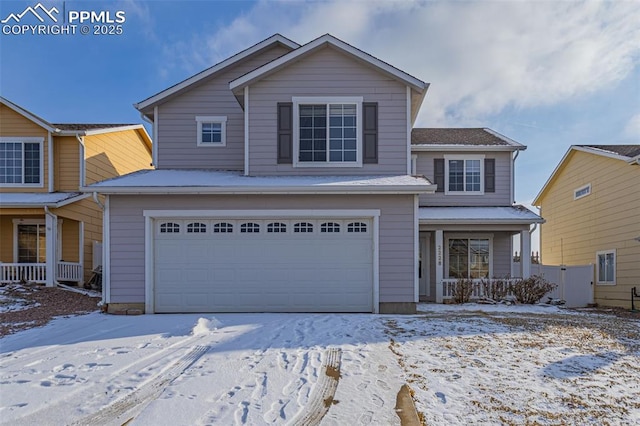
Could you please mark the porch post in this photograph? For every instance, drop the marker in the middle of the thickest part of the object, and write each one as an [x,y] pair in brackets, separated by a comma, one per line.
[439,264]
[51,242]
[525,254]
[81,248]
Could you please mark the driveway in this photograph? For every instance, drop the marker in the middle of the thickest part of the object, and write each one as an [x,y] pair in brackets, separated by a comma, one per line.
[466,365]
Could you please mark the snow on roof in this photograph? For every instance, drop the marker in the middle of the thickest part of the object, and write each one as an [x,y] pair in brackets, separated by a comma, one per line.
[34,199]
[505,214]
[213,181]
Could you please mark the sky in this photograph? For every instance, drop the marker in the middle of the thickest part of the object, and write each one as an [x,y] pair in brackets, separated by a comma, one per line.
[547,74]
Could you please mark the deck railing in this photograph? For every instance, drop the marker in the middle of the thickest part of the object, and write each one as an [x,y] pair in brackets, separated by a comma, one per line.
[478,286]
[37,272]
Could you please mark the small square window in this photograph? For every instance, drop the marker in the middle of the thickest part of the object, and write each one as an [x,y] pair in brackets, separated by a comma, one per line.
[212,130]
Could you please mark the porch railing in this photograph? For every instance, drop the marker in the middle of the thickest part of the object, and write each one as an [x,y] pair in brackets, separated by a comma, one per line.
[478,287]
[23,272]
[69,271]
[37,272]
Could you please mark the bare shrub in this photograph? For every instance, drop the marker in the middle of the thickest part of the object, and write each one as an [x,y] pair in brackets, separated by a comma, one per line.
[495,289]
[462,290]
[531,290]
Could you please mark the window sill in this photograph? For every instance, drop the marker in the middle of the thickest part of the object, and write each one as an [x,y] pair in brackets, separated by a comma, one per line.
[311,165]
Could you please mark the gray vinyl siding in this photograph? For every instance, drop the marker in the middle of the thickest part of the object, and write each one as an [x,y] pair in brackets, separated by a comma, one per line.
[396,234]
[501,197]
[502,254]
[177,127]
[328,72]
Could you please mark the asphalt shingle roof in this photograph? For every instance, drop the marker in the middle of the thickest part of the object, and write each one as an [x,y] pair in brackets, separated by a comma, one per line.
[624,150]
[88,126]
[456,136]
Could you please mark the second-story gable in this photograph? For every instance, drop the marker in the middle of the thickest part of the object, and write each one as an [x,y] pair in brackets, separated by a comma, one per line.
[277,108]
[471,166]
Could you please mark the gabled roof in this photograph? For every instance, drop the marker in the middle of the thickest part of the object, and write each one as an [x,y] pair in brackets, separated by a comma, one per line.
[627,153]
[27,114]
[88,126]
[275,39]
[171,181]
[418,87]
[465,139]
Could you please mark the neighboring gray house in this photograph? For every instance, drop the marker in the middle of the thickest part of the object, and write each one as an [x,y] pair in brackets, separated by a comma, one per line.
[288,179]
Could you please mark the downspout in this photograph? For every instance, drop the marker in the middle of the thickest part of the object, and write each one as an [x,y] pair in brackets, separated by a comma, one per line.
[104,252]
[513,177]
[82,171]
[50,161]
[51,244]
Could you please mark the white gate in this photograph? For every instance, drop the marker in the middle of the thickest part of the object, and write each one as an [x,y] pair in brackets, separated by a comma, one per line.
[575,283]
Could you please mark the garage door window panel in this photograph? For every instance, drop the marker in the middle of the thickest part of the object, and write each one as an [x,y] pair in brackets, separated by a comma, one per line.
[223,228]
[196,228]
[169,228]
[330,227]
[358,227]
[303,227]
[276,228]
[250,228]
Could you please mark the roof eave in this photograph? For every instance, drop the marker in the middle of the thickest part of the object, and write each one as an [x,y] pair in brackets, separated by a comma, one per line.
[446,147]
[155,99]
[488,221]
[28,115]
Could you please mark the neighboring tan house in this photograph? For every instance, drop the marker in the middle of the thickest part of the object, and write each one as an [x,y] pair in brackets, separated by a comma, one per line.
[286,181]
[47,227]
[591,204]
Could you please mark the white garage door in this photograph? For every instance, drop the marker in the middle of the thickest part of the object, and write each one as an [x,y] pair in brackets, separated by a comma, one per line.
[274,265]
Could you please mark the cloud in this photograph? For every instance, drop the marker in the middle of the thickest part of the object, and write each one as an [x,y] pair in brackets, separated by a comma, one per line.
[632,129]
[481,57]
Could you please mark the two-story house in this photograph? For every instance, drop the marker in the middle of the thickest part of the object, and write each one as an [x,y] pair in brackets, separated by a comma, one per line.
[591,204]
[48,228]
[286,180]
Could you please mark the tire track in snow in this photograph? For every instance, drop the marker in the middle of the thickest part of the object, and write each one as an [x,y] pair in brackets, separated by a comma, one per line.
[322,397]
[144,394]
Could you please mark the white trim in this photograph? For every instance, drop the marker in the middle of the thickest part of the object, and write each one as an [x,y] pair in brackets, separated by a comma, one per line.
[582,188]
[23,140]
[81,244]
[212,119]
[23,112]
[376,263]
[149,277]
[597,268]
[100,131]
[106,252]
[82,165]
[439,256]
[307,190]
[248,214]
[154,145]
[448,158]
[408,128]
[505,138]
[50,183]
[246,79]
[463,148]
[416,250]
[214,69]
[326,100]
[246,131]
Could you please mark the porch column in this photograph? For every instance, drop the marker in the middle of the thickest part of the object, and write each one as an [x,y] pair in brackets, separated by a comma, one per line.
[51,242]
[439,264]
[525,254]
[81,250]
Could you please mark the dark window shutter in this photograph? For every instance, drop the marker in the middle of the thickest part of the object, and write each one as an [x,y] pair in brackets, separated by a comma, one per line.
[438,173]
[370,132]
[285,133]
[489,175]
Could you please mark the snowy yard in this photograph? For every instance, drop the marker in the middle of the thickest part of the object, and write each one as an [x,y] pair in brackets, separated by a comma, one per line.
[500,365]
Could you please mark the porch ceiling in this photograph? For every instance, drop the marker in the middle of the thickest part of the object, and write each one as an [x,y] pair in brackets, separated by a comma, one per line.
[502,215]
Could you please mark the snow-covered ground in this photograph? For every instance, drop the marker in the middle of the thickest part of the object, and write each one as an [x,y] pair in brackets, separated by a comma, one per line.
[467,365]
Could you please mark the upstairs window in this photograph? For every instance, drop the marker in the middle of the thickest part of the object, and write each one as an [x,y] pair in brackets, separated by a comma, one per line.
[327,132]
[21,162]
[583,191]
[464,175]
[212,130]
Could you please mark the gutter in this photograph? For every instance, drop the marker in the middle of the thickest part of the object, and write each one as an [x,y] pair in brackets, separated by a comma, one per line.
[397,189]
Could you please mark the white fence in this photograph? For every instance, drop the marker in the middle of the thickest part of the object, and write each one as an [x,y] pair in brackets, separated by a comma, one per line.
[575,283]
[37,272]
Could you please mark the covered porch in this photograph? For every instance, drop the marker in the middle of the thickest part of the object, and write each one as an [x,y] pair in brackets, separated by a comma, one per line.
[37,245]
[475,243]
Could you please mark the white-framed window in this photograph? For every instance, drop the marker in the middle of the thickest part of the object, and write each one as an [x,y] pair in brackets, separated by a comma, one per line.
[327,131]
[606,267]
[212,130]
[464,174]
[469,257]
[30,239]
[583,191]
[21,161]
